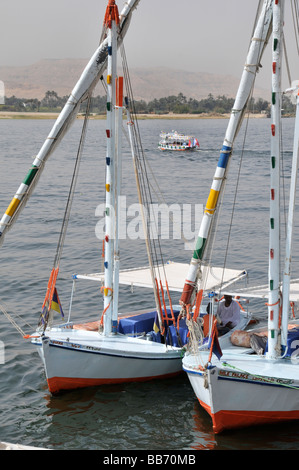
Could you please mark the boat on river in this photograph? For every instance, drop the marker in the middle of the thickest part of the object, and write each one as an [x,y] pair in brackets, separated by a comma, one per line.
[175,141]
[236,385]
[114,347]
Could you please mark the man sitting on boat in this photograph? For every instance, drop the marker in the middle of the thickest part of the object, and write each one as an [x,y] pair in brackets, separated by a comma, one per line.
[228,315]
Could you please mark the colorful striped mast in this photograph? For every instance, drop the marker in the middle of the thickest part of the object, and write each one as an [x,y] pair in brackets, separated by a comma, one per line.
[118,174]
[111,23]
[274,233]
[257,46]
[84,87]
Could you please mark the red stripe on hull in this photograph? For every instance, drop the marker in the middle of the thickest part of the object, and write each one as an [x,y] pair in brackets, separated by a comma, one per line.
[223,420]
[58,384]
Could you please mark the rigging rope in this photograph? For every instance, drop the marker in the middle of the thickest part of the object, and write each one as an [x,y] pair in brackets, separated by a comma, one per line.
[238,175]
[140,157]
[66,217]
[54,273]
[142,169]
[4,308]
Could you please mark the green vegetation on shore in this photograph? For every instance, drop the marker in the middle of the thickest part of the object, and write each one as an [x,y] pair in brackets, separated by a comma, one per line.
[52,103]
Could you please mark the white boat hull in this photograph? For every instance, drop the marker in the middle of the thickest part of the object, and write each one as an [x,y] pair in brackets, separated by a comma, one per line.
[248,390]
[74,359]
[176,148]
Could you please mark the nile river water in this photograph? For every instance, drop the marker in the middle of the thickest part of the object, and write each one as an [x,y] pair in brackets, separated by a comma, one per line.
[147,416]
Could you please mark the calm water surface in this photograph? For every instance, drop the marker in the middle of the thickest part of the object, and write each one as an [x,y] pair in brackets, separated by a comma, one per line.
[149,416]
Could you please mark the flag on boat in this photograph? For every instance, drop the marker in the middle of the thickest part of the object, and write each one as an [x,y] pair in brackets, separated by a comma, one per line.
[156,327]
[195,142]
[213,343]
[56,304]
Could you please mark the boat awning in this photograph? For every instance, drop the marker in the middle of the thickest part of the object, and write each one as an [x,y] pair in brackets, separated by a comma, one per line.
[175,274]
[262,292]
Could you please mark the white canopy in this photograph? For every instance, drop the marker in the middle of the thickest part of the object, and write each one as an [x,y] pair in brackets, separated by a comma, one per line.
[175,273]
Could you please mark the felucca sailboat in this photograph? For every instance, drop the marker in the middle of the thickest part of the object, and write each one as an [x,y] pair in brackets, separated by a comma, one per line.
[236,386]
[117,347]
[111,349]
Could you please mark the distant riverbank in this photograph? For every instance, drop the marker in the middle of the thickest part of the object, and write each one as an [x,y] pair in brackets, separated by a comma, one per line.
[30,115]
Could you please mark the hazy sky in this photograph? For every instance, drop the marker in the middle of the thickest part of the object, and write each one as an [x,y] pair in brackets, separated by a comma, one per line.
[197,35]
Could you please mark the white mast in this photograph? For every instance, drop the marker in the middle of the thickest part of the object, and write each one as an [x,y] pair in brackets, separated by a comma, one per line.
[289,237]
[274,236]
